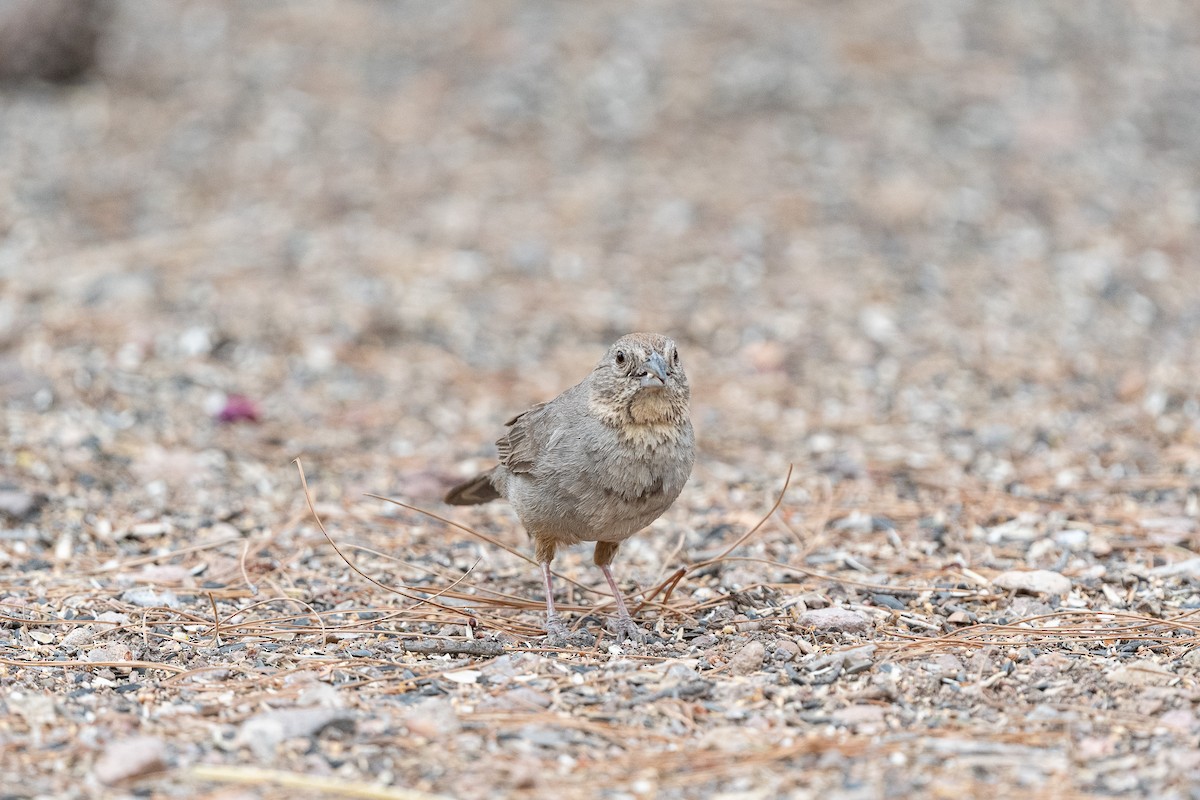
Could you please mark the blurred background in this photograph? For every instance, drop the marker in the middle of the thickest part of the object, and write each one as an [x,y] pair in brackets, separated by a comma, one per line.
[943,257]
[910,243]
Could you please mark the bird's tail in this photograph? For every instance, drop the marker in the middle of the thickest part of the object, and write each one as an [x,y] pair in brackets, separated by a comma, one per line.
[475,491]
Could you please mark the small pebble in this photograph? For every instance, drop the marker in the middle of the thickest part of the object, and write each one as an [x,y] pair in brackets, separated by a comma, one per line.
[888,601]
[1036,581]
[264,732]
[859,716]
[238,408]
[433,719]
[1189,567]
[834,620]
[129,758]
[1140,673]
[1072,539]
[748,659]
[17,504]
[787,650]
[520,699]
[146,597]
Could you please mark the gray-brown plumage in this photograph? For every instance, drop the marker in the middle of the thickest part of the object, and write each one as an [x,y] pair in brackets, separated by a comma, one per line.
[599,462]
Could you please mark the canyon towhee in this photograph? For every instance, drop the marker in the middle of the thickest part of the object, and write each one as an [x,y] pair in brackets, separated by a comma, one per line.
[597,463]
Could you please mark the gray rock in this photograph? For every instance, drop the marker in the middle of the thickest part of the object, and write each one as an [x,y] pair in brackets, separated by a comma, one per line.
[681,672]
[264,732]
[523,698]
[1034,581]
[834,619]
[544,736]
[748,659]
[129,758]
[114,652]
[859,716]
[147,597]
[433,719]
[77,638]
[1072,539]
[18,504]
[1141,673]
[787,650]
[1189,567]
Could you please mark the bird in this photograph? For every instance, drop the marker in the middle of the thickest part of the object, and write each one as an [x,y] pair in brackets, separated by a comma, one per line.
[598,463]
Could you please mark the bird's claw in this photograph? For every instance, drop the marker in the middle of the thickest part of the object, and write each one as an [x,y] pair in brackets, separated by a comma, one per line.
[555,626]
[558,635]
[626,630]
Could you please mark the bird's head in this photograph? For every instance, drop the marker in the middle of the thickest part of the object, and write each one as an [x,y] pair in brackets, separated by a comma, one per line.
[641,380]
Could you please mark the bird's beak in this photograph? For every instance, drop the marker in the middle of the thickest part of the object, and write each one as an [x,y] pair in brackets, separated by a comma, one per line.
[654,371]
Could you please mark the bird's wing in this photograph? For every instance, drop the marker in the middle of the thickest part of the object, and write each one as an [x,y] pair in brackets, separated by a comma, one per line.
[519,447]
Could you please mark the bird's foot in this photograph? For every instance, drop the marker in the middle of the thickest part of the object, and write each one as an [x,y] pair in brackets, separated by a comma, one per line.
[626,630]
[558,635]
[555,628]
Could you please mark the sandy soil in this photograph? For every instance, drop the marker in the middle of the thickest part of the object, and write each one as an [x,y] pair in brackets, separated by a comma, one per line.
[939,257]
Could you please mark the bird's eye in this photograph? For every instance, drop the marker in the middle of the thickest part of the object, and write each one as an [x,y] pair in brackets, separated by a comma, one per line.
[621,358]
[675,359]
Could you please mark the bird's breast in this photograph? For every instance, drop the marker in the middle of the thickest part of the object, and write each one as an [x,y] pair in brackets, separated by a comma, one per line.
[598,483]
[643,468]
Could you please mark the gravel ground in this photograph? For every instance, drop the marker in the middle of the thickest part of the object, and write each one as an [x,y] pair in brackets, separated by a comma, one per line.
[939,257]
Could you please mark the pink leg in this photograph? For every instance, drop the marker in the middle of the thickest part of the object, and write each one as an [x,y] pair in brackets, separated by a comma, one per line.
[626,629]
[554,624]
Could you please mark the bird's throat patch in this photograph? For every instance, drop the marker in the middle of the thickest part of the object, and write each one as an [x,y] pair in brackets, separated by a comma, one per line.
[653,407]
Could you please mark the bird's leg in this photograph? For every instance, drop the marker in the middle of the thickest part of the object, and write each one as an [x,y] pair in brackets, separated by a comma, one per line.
[544,548]
[555,628]
[625,627]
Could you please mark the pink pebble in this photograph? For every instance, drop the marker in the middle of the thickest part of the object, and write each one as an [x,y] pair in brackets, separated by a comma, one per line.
[238,408]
